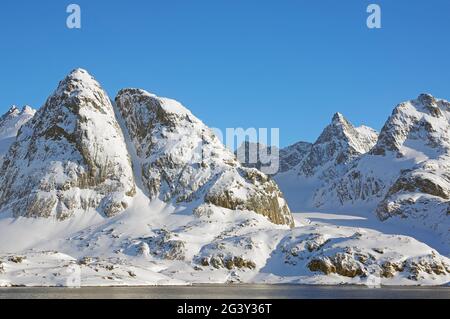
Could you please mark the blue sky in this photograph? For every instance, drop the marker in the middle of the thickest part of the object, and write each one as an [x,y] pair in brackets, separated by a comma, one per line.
[234,63]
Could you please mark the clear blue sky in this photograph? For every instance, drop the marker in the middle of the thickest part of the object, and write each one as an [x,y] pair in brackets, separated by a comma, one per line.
[235,63]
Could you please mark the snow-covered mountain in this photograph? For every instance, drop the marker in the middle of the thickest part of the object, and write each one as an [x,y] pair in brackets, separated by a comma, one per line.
[10,123]
[406,174]
[308,167]
[339,143]
[141,192]
[70,157]
[417,133]
[337,146]
[401,175]
[183,161]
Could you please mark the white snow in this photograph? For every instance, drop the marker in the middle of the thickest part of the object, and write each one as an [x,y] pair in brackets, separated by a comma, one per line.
[130,250]
[184,240]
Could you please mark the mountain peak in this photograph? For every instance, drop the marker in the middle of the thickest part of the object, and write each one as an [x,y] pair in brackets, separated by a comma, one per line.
[10,124]
[339,118]
[426,99]
[73,143]
[28,110]
[79,73]
[13,110]
[339,143]
[78,80]
[424,119]
[79,90]
[165,105]
[339,128]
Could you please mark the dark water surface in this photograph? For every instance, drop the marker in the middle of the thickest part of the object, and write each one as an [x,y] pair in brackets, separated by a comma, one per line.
[228,292]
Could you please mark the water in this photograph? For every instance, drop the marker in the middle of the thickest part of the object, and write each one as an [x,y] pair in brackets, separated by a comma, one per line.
[228,292]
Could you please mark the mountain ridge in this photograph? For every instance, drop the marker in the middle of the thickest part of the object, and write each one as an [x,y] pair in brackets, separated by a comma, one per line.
[400,174]
[141,192]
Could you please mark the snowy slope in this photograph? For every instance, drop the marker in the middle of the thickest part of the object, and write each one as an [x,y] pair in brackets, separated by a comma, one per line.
[152,243]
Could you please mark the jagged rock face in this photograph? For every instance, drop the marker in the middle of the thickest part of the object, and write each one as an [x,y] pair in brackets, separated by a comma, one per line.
[424,120]
[354,185]
[293,155]
[423,194]
[307,184]
[10,123]
[182,160]
[71,156]
[338,145]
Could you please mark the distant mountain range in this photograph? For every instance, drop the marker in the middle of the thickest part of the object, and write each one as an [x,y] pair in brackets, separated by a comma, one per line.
[140,192]
[402,173]
[10,123]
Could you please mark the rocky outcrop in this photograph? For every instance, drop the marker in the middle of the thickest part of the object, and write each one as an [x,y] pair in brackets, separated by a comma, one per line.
[182,161]
[341,264]
[228,262]
[163,244]
[70,157]
[362,256]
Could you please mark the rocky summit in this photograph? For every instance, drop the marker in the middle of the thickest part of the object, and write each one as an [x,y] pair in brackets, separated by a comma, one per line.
[183,161]
[70,157]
